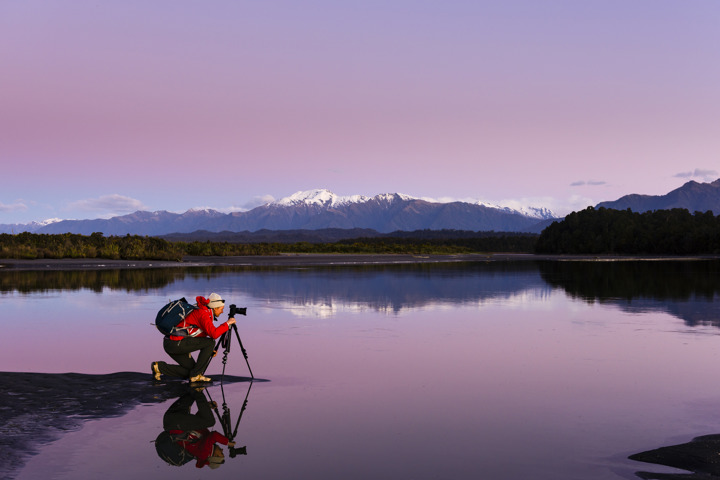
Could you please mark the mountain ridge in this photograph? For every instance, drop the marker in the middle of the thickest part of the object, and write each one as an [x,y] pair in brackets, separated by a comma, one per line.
[312,210]
[693,196]
[318,209]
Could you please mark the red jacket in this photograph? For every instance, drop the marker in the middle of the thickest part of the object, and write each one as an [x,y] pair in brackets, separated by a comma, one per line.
[200,322]
[200,444]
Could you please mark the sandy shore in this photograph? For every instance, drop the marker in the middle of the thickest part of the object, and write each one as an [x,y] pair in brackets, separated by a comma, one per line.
[290,260]
[307,260]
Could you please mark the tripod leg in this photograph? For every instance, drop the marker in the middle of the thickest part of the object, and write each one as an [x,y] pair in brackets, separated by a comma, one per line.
[243,350]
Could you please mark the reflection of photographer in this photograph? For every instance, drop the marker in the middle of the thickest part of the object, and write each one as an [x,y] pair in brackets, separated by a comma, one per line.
[187,436]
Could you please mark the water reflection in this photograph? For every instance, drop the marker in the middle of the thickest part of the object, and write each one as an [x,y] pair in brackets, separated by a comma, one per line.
[390,289]
[496,380]
[701,456]
[320,290]
[186,436]
[684,289]
[37,409]
[24,281]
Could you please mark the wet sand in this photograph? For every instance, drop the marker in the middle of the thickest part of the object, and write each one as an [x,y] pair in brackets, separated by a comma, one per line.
[307,260]
[38,408]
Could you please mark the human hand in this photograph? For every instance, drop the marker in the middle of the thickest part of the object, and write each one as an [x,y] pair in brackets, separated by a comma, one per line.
[231,321]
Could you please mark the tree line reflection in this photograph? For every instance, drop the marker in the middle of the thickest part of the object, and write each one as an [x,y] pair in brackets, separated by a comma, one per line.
[683,288]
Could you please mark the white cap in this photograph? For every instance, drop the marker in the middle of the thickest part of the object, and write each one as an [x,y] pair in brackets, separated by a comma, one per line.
[215,301]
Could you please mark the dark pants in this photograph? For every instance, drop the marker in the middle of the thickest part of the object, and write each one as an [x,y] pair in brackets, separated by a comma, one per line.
[178,416]
[181,351]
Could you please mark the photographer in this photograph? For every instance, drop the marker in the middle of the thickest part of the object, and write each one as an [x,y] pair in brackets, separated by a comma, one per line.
[200,333]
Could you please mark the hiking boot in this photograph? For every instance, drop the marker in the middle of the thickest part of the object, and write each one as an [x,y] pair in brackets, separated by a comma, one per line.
[155,371]
[200,378]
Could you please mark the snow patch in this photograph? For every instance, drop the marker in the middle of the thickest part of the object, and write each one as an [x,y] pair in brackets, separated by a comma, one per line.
[47,222]
[540,213]
[324,198]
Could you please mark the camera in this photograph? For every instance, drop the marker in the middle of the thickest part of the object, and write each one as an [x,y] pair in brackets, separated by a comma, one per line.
[237,310]
[237,451]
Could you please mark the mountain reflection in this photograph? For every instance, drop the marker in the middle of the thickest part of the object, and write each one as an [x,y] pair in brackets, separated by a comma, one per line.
[320,291]
[686,289]
[313,290]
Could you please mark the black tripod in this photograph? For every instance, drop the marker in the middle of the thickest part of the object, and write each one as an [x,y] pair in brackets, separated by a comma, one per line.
[226,338]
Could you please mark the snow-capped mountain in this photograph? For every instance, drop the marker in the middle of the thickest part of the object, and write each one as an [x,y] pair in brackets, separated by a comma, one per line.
[319,209]
[541,213]
[326,198]
[27,227]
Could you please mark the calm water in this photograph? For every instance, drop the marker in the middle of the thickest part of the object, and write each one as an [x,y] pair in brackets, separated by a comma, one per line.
[497,371]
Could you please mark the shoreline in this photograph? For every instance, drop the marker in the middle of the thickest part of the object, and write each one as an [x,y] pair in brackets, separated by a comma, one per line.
[294,260]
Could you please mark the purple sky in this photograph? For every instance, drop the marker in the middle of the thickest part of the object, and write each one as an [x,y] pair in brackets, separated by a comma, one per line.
[110,107]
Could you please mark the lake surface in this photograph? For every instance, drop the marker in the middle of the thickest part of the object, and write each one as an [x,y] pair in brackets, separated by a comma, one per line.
[500,370]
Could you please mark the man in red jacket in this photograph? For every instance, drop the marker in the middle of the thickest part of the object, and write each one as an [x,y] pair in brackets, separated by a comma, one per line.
[199,337]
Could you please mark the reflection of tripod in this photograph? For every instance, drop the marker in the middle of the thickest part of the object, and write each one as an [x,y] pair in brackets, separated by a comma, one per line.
[225,340]
[226,420]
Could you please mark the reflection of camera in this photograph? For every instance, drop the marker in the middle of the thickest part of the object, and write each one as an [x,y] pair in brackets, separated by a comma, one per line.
[235,310]
[237,451]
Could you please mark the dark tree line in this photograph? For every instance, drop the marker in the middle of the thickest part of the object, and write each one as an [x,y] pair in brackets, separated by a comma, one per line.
[608,231]
[133,247]
[130,247]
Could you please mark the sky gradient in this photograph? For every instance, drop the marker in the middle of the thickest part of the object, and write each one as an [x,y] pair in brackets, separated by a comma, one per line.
[111,107]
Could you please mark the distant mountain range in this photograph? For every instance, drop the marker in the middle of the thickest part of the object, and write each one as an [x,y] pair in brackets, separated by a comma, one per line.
[322,210]
[693,196]
[313,210]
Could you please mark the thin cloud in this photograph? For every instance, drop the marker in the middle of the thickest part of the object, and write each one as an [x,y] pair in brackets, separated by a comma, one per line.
[699,173]
[249,205]
[592,183]
[109,203]
[12,207]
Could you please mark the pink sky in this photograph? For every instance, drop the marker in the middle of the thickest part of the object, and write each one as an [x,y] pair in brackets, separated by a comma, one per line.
[110,107]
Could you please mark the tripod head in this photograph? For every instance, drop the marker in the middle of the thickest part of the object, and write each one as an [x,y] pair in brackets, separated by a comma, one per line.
[226,337]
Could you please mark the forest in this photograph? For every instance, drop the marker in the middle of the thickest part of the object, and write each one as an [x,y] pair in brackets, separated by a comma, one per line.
[133,247]
[130,247]
[599,231]
[607,231]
